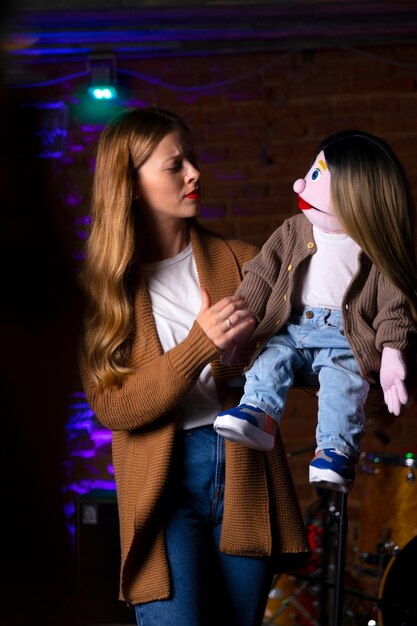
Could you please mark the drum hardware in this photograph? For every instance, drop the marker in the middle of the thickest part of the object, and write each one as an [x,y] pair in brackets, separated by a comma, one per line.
[312,599]
[332,563]
[388,548]
[410,476]
[385,550]
[397,598]
[386,540]
[374,558]
[342,521]
[371,572]
[351,591]
[290,603]
[329,571]
[388,514]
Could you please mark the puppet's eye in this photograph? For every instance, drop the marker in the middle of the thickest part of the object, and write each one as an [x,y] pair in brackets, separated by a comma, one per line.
[315,174]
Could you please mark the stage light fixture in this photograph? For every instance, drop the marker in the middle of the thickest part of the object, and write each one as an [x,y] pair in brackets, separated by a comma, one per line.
[102,71]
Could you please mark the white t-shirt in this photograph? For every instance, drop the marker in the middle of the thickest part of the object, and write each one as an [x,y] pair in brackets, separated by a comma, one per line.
[329,271]
[175,295]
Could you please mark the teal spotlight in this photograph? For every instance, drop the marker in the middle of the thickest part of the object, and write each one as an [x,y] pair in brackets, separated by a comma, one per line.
[102,70]
[105,92]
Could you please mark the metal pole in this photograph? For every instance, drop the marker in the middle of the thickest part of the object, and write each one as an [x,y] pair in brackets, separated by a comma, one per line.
[342,520]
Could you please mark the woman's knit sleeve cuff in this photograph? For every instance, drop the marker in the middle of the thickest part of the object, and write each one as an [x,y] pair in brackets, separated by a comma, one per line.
[189,357]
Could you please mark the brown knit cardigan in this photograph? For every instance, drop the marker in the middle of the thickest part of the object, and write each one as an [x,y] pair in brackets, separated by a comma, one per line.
[261,510]
[375,313]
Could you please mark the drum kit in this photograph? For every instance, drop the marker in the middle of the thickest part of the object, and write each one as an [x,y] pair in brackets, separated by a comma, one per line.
[380,584]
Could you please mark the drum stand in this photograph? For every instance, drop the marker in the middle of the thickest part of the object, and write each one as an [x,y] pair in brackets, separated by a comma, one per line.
[333,556]
[335,523]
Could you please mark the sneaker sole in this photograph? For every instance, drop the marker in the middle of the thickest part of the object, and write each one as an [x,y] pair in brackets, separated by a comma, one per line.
[241,431]
[329,480]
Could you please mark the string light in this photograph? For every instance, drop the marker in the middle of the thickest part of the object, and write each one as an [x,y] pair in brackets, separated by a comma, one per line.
[196,88]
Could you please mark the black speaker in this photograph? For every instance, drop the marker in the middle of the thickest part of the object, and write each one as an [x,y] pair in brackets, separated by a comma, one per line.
[98,559]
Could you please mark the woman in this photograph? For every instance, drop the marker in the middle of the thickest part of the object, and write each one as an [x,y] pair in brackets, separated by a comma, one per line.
[159,316]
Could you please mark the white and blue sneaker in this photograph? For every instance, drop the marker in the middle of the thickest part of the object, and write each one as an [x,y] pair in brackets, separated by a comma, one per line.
[247,425]
[332,469]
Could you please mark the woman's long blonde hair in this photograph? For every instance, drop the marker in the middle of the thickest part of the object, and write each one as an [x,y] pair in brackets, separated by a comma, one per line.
[372,198]
[108,271]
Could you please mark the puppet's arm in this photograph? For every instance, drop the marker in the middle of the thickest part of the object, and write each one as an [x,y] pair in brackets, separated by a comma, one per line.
[395,331]
[259,277]
[392,376]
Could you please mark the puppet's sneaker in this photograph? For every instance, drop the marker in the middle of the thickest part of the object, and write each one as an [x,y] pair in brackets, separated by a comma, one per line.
[332,469]
[247,425]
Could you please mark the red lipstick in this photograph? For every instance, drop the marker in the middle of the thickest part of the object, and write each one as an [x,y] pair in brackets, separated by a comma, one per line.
[193,195]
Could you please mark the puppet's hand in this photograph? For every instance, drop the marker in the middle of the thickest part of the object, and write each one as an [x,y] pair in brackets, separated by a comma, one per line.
[235,351]
[392,375]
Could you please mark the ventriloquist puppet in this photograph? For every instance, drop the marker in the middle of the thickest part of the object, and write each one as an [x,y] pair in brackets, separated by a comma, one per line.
[334,293]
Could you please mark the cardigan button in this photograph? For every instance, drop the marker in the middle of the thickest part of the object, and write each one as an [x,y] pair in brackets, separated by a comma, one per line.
[311,245]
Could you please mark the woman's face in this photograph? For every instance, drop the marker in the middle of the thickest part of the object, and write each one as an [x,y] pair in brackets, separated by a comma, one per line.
[167,182]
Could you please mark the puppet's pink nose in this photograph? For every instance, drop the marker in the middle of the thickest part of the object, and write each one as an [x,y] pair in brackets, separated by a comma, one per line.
[299,185]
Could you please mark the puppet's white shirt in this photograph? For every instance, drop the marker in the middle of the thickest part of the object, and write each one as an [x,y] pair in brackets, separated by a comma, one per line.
[328,273]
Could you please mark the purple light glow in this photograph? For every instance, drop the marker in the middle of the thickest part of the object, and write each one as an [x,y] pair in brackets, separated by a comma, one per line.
[43,52]
[84,454]
[73,198]
[88,465]
[90,128]
[77,148]
[83,220]
[101,437]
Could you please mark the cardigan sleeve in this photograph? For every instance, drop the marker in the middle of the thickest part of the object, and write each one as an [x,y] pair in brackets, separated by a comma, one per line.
[154,389]
[393,323]
[261,273]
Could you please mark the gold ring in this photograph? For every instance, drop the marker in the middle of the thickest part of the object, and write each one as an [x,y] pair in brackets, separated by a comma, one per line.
[229,322]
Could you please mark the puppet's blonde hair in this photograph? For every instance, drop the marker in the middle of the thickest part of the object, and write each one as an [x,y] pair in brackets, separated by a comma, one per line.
[372,198]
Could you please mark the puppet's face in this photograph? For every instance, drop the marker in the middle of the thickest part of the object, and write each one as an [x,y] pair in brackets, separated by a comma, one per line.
[314,196]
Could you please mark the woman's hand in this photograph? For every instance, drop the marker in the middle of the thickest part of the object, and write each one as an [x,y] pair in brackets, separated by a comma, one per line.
[226,321]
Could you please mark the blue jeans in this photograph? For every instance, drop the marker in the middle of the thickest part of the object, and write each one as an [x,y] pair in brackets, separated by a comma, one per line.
[208,586]
[313,343]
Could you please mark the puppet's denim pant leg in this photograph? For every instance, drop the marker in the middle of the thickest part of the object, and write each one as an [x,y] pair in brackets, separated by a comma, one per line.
[207,586]
[313,343]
